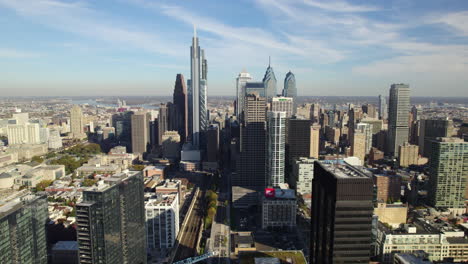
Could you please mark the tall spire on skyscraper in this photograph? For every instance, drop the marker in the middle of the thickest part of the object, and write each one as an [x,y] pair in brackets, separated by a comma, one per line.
[194,31]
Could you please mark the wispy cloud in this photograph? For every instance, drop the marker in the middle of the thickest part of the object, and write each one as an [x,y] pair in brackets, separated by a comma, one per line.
[78,18]
[18,54]
[457,21]
[340,6]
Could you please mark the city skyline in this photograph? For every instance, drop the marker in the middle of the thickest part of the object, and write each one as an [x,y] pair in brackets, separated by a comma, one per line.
[70,48]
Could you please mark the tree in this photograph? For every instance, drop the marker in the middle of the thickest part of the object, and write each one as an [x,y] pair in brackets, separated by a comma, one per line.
[40,187]
[89,182]
[138,167]
[37,159]
[51,155]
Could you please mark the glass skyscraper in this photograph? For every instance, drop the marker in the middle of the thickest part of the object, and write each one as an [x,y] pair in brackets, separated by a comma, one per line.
[269,80]
[276,141]
[290,89]
[197,85]
[398,116]
[111,221]
[23,230]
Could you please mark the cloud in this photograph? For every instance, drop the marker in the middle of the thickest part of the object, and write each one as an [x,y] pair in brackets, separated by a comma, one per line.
[78,18]
[457,21]
[18,54]
[340,6]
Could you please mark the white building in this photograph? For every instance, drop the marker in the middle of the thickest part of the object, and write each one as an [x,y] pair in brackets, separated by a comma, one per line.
[162,220]
[55,141]
[283,104]
[276,140]
[302,175]
[366,129]
[241,80]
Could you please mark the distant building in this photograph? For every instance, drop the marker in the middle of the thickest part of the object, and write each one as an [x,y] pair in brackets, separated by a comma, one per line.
[23,134]
[111,221]
[375,156]
[341,214]
[212,143]
[27,151]
[358,146]
[171,145]
[77,123]
[283,104]
[241,82]
[140,132]
[299,138]
[382,108]
[392,214]
[55,141]
[408,154]
[431,129]
[314,141]
[23,229]
[448,171]
[279,208]
[290,89]
[399,108]
[269,81]
[162,220]
[163,125]
[180,101]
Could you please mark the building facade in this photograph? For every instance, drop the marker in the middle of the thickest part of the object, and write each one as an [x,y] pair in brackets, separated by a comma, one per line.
[341,214]
[180,100]
[76,122]
[162,220]
[140,132]
[290,89]
[276,144]
[398,117]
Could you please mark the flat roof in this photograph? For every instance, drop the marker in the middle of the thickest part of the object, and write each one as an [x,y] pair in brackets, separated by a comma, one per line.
[344,170]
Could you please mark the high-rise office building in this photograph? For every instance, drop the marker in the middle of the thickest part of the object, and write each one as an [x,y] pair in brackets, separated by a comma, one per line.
[111,221]
[171,145]
[448,171]
[197,85]
[382,107]
[367,129]
[23,230]
[76,123]
[276,141]
[302,175]
[122,122]
[398,114]
[314,112]
[27,133]
[140,132]
[251,167]
[342,211]
[180,101]
[430,129]
[255,87]
[299,141]
[358,147]
[314,141]
[290,89]
[241,81]
[269,81]
[283,104]
[162,122]
[370,110]
[212,143]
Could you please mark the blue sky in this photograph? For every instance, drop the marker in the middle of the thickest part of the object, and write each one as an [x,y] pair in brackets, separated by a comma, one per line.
[136,47]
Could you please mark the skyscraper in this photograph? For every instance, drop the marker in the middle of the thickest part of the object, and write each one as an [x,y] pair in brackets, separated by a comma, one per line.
[382,107]
[269,81]
[251,167]
[162,122]
[111,221]
[198,115]
[448,171]
[76,122]
[23,230]
[140,132]
[398,114]
[241,81]
[314,141]
[430,129]
[283,104]
[290,89]
[341,214]
[299,139]
[276,140]
[180,101]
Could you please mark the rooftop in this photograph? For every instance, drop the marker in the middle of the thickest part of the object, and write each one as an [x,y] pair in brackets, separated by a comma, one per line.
[66,245]
[344,170]
[296,257]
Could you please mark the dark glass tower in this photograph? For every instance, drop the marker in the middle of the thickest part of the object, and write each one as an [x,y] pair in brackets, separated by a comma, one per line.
[181,106]
[111,221]
[341,214]
[22,230]
[290,89]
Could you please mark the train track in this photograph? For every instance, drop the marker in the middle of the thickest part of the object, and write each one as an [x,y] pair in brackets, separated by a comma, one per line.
[189,238]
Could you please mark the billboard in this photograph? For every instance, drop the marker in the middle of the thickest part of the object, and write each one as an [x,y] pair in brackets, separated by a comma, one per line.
[269,192]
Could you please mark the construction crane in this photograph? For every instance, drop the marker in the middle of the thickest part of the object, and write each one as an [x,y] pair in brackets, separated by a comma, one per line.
[197,258]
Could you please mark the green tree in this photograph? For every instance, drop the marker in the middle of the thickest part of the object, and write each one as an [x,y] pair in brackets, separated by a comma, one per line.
[37,159]
[40,187]
[138,167]
[51,155]
[89,182]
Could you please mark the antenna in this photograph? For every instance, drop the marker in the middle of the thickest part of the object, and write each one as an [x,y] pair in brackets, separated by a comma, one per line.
[194,31]
[269,61]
